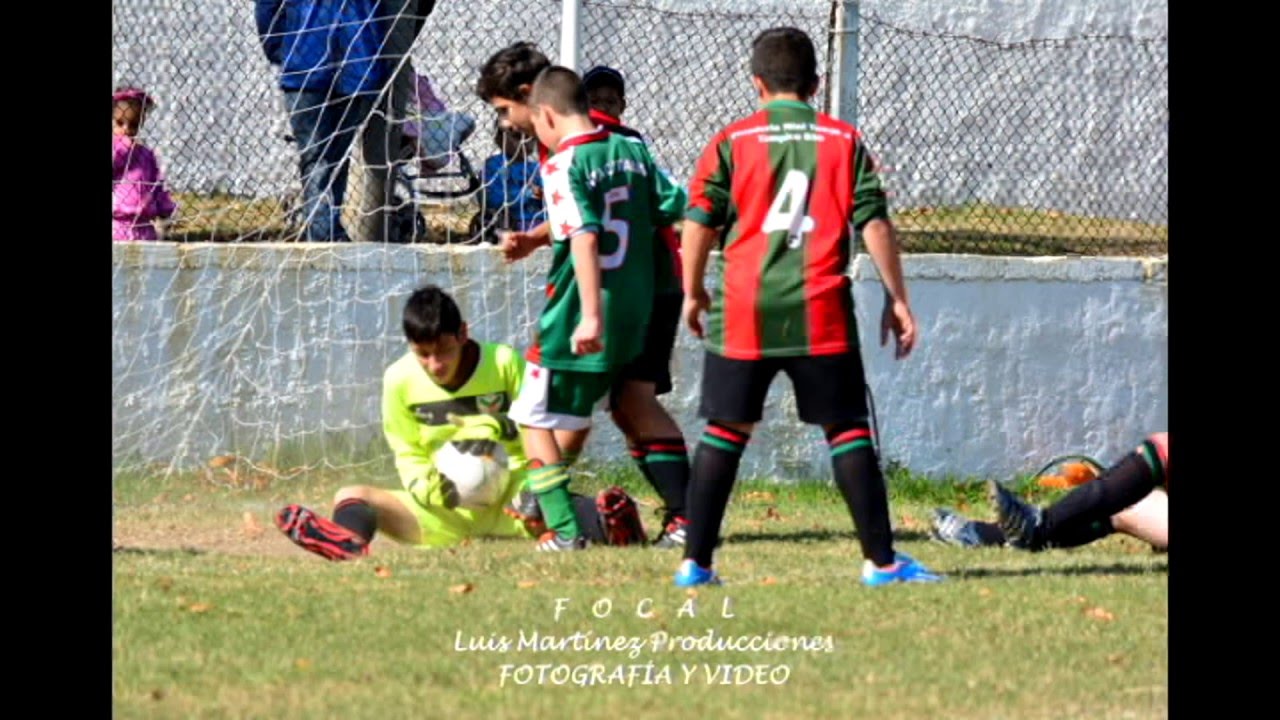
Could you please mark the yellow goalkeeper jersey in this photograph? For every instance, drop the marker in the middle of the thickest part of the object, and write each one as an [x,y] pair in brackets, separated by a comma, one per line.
[419,417]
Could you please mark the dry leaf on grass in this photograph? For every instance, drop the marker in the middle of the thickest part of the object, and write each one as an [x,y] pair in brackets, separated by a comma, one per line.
[526,584]
[984,592]
[302,664]
[251,526]
[157,694]
[1100,613]
[382,571]
[200,607]
[771,580]
[461,589]
[771,513]
[760,496]
[222,461]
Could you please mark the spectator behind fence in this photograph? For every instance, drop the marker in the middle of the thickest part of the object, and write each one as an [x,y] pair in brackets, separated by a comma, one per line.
[331,74]
[511,196]
[138,195]
[383,137]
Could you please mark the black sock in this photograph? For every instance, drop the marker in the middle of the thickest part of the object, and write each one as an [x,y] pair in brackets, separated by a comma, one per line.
[667,462]
[1122,485]
[857,474]
[357,516]
[715,467]
[1075,535]
[588,515]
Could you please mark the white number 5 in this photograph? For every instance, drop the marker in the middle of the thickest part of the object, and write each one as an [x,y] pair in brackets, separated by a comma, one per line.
[788,209]
[620,228]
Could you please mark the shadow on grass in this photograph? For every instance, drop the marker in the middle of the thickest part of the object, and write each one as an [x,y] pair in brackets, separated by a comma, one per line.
[1112,569]
[128,550]
[804,536]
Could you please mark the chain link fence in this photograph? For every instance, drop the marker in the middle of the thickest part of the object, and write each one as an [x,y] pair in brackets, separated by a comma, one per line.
[1026,148]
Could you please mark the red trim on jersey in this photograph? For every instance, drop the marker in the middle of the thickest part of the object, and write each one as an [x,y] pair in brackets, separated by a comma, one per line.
[544,154]
[752,191]
[603,118]
[595,135]
[826,250]
[707,165]
[534,355]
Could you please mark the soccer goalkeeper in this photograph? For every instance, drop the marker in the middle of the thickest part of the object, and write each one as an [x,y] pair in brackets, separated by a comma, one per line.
[446,387]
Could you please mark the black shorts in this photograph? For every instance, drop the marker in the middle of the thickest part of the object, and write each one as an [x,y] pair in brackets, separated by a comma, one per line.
[829,388]
[653,364]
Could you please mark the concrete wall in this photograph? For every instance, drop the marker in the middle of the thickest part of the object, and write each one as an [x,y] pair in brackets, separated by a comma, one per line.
[252,348]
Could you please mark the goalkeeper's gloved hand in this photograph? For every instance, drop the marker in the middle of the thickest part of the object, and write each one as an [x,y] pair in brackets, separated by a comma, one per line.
[503,428]
[435,490]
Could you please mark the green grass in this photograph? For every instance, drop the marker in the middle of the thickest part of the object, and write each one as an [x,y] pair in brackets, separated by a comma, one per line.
[971,228]
[218,615]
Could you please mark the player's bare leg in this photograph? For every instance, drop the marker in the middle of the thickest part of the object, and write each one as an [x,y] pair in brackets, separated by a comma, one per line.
[392,517]
[1147,519]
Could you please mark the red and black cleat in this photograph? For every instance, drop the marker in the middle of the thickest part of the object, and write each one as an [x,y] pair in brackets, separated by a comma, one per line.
[319,535]
[620,517]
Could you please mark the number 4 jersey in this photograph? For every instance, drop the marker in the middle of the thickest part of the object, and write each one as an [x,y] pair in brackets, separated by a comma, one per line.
[607,184]
[786,183]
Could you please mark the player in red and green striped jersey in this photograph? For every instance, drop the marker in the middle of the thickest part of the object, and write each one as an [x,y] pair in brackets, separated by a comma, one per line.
[786,184]
[605,200]
[654,440]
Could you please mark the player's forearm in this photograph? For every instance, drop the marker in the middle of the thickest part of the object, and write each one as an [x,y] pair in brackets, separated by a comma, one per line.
[882,243]
[696,241]
[542,233]
[586,270]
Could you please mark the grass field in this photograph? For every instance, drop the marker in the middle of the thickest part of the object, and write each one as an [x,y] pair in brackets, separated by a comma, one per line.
[216,614]
[974,228]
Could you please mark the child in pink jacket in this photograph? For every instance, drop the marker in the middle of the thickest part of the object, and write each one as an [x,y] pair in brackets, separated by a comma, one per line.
[138,195]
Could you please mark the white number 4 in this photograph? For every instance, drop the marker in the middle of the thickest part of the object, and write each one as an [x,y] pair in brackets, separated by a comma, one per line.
[788,209]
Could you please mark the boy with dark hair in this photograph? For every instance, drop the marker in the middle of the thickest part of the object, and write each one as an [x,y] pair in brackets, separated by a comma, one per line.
[605,200]
[654,440]
[788,182]
[447,388]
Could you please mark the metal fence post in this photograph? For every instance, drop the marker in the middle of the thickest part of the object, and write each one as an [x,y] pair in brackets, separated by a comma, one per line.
[843,86]
[569,11]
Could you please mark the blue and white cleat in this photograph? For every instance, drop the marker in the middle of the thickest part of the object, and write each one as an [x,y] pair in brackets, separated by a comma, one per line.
[690,574]
[951,528]
[905,569]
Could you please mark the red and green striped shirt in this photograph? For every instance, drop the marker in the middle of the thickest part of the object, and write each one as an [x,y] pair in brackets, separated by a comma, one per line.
[786,183]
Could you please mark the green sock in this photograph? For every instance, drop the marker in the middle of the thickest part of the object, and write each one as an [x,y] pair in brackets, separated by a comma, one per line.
[551,484]
[557,511]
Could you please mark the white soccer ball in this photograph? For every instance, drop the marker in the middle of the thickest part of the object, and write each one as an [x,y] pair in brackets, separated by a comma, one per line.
[478,469]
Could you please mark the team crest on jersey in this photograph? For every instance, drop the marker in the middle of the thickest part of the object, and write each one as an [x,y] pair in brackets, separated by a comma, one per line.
[490,403]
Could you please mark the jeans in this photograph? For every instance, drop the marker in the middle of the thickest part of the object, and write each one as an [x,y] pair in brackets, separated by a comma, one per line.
[380,144]
[323,128]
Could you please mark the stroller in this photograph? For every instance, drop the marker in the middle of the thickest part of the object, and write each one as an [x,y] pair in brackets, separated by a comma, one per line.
[434,169]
